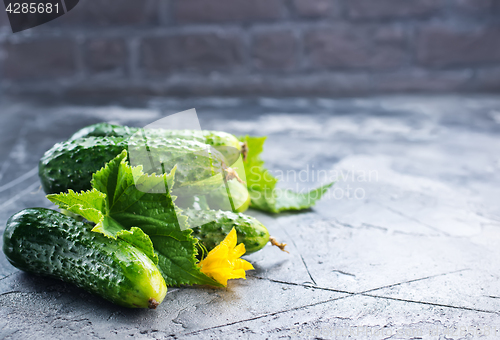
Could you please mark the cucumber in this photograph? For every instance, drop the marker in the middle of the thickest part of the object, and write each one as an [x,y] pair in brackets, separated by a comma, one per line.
[251,232]
[236,200]
[225,142]
[103,130]
[46,242]
[238,194]
[70,165]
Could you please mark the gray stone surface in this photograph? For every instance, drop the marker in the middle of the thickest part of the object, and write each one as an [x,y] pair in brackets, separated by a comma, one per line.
[406,245]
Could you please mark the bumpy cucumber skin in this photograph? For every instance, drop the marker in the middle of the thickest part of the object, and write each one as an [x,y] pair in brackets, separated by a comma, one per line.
[214,138]
[221,138]
[46,242]
[103,130]
[251,233]
[70,165]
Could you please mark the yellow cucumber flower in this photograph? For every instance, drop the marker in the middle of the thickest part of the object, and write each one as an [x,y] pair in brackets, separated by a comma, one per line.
[223,262]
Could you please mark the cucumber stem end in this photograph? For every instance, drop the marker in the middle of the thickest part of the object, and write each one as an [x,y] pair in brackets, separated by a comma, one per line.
[152,303]
[274,242]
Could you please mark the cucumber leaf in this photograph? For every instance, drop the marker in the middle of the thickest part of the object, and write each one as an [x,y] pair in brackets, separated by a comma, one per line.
[278,200]
[119,209]
[262,184]
[137,238]
[258,178]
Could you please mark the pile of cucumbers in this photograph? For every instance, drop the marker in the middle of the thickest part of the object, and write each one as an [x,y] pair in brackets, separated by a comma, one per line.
[50,243]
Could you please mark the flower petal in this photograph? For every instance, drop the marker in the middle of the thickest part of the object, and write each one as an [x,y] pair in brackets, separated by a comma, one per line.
[223,262]
[230,239]
[242,264]
[238,251]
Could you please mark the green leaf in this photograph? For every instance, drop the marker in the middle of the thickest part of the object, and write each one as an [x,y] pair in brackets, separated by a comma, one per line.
[177,258]
[124,198]
[278,200]
[88,204]
[262,184]
[137,238]
[258,178]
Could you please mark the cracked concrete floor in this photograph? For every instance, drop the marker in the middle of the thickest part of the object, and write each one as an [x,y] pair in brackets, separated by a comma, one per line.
[406,245]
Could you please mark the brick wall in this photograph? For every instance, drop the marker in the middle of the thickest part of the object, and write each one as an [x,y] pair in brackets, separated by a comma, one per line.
[257,47]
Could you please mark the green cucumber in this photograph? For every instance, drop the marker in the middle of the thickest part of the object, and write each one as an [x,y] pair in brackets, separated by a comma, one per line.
[103,130]
[70,165]
[237,194]
[237,199]
[225,142]
[214,226]
[46,242]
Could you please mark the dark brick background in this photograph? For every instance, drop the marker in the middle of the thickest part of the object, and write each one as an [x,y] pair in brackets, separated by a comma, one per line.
[257,47]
